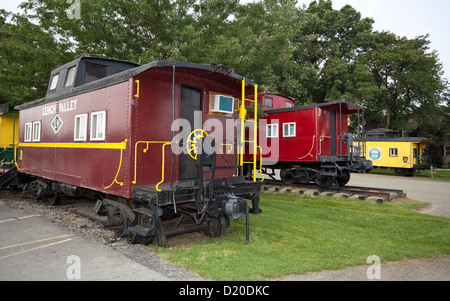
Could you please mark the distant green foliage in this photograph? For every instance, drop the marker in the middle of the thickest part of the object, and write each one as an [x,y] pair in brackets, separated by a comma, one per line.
[312,54]
[27,55]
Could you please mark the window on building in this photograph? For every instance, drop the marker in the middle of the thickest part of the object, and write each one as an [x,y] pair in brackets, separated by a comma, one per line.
[268,103]
[447,151]
[289,129]
[28,128]
[70,77]
[37,131]
[54,82]
[80,127]
[272,131]
[393,152]
[98,124]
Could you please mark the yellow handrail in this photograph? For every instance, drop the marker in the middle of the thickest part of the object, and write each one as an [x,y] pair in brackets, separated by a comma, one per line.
[162,178]
[164,144]
[310,151]
[255,133]
[15,156]
[242,114]
[120,166]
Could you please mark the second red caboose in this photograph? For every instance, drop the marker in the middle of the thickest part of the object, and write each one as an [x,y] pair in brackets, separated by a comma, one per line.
[311,143]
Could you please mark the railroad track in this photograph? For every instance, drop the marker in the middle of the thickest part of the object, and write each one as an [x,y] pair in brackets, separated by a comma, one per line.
[379,194]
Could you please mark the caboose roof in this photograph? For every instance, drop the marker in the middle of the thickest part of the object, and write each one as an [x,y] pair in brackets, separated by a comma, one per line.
[212,71]
[400,139]
[339,105]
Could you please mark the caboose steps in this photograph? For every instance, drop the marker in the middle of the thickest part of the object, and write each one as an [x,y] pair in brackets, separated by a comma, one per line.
[8,176]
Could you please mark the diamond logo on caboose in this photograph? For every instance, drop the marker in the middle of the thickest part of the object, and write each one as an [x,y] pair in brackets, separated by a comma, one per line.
[56,123]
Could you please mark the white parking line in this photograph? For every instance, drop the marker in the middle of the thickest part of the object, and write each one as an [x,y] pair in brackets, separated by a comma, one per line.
[36,241]
[17,218]
[36,248]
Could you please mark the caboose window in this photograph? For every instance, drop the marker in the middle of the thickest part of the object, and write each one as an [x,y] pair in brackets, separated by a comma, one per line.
[94,72]
[37,131]
[289,105]
[268,103]
[98,126]
[272,130]
[28,127]
[54,82]
[70,77]
[289,129]
[80,127]
[393,152]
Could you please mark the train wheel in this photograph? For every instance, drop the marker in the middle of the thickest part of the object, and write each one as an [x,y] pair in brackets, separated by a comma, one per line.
[344,179]
[304,176]
[217,226]
[287,177]
[404,172]
[324,181]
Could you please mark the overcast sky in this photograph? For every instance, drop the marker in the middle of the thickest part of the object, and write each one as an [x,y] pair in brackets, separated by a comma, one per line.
[408,18]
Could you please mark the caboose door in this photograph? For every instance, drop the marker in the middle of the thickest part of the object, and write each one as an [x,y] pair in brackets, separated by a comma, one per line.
[191,102]
[332,133]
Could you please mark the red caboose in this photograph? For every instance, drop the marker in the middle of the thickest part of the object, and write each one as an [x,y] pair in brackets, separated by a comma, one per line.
[312,143]
[135,134]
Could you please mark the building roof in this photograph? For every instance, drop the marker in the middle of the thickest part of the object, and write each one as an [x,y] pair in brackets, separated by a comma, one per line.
[339,105]
[401,139]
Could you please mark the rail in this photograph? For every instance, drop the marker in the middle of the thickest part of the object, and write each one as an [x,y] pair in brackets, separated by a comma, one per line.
[362,193]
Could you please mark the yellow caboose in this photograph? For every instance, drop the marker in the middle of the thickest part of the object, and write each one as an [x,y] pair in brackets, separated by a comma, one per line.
[406,155]
[9,135]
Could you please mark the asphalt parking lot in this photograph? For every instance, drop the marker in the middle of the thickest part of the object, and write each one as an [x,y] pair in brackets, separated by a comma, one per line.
[435,192]
[33,248]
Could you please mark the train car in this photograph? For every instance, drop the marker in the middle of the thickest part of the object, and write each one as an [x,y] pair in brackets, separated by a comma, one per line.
[406,155]
[133,136]
[9,135]
[275,101]
[311,143]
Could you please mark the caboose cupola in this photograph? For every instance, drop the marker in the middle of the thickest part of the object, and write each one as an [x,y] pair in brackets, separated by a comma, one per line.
[83,70]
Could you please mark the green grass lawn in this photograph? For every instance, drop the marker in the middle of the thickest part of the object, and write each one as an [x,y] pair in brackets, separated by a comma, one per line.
[298,234]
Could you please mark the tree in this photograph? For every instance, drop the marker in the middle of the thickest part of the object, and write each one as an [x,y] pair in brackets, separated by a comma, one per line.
[255,40]
[139,30]
[403,78]
[328,43]
[27,56]
[266,31]
[313,54]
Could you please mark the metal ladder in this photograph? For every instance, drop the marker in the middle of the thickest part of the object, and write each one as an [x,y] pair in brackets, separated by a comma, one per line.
[242,115]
